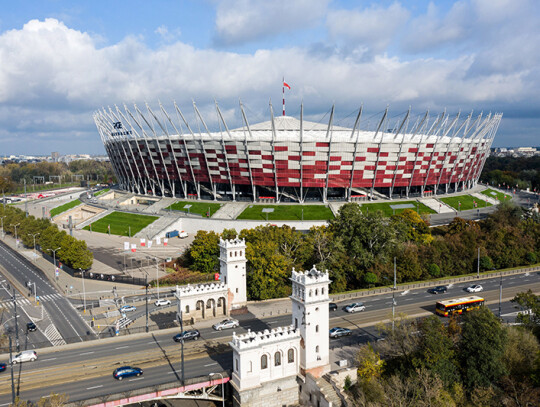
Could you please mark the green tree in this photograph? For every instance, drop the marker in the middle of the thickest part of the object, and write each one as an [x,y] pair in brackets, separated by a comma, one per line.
[203,253]
[417,229]
[370,278]
[481,349]
[529,304]
[75,253]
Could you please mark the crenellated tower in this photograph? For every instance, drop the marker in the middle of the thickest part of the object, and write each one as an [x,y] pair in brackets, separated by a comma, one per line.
[232,267]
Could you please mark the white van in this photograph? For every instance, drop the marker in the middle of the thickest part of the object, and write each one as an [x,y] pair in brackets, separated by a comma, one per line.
[24,356]
[182,234]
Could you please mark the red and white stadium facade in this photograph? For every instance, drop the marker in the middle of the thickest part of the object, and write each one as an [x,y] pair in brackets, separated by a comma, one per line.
[156,153]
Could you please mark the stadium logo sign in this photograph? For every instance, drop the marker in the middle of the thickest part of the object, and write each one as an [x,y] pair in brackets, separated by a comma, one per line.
[118,126]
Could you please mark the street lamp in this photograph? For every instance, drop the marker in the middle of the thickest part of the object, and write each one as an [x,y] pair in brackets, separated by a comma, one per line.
[34,236]
[222,388]
[2,220]
[54,255]
[157,277]
[15,226]
[84,291]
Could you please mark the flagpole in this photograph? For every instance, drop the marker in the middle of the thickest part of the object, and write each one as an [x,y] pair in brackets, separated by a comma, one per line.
[283,90]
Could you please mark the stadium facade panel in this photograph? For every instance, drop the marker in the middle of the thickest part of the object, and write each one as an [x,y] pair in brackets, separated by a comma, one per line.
[294,159]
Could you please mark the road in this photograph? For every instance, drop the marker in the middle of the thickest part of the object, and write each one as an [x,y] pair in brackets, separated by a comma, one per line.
[84,370]
[63,315]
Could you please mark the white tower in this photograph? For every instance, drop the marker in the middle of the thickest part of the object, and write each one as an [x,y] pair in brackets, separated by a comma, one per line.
[310,314]
[232,267]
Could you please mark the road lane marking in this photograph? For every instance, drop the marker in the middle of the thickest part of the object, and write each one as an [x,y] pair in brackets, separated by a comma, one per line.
[45,360]
[85,353]
[211,364]
[94,387]
[138,378]
[122,347]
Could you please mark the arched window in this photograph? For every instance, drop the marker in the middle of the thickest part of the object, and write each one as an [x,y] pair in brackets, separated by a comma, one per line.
[240,253]
[187,309]
[277,359]
[316,291]
[317,349]
[264,362]
[310,292]
[322,291]
[316,328]
[290,355]
[235,254]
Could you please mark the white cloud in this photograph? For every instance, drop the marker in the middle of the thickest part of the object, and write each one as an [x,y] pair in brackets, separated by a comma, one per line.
[243,21]
[373,27]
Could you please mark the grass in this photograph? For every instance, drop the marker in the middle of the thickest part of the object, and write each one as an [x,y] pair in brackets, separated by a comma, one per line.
[62,208]
[121,222]
[287,212]
[196,207]
[385,207]
[467,202]
[43,187]
[103,191]
[500,196]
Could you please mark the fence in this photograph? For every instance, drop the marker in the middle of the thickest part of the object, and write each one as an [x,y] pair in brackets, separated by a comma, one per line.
[387,289]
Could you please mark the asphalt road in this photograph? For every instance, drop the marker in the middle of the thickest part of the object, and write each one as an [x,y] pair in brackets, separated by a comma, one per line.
[83,371]
[62,313]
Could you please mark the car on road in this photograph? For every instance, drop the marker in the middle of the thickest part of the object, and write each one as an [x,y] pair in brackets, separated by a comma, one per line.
[440,289]
[31,327]
[161,302]
[226,324]
[187,335]
[126,371]
[127,308]
[332,306]
[338,332]
[475,288]
[24,356]
[355,307]
[3,367]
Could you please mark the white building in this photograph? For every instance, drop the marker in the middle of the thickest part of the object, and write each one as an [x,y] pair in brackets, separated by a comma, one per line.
[232,267]
[280,367]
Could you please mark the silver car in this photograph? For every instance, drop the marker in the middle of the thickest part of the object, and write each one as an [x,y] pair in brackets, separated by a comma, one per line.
[355,307]
[226,324]
[24,356]
[475,288]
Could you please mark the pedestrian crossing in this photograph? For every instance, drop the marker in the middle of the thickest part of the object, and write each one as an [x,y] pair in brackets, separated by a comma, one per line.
[21,301]
[52,334]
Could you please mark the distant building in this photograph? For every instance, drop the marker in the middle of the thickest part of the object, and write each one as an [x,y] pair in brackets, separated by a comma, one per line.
[54,156]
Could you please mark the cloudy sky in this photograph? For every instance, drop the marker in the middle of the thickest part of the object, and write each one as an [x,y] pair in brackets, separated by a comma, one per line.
[61,60]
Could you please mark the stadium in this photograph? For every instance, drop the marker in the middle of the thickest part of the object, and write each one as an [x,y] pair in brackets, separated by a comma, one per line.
[292,159]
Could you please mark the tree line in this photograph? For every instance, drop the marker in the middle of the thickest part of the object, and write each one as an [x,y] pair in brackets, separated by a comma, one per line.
[12,175]
[48,237]
[520,172]
[358,249]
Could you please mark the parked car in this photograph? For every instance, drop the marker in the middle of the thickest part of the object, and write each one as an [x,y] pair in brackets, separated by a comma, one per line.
[226,324]
[162,301]
[475,288]
[355,307]
[332,306]
[127,308]
[440,289]
[126,371]
[338,332]
[187,335]
[3,367]
[24,356]
[31,327]
[183,234]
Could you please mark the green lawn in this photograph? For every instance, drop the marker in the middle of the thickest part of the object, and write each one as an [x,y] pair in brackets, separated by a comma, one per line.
[500,196]
[467,202]
[43,187]
[287,212]
[62,208]
[386,209]
[103,191]
[120,223]
[196,207]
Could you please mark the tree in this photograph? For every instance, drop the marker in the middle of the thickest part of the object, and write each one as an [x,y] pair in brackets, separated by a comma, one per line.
[370,278]
[529,304]
[203,253]
[481,349]
[53,400]
[75,253]
[436,350]
[417,229]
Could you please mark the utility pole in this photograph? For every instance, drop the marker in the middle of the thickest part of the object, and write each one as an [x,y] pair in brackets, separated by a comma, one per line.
[157,277]
[180,319]
[34,236]
[146,285]
[395,286]
[16,325]
[25,199]
[11,368]
[478,265]
[500,297]
[393,296]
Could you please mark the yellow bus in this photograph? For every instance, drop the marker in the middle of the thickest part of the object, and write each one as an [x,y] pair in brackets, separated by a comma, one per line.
[447,308]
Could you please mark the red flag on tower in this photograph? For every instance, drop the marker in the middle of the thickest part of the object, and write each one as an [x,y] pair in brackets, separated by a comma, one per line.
[286,85]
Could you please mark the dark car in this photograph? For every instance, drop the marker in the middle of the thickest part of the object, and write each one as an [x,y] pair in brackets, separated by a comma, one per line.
[440,289]
[31,327]
[187,335]
[337,332]
[126,371]
[3,367]
[332,306]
